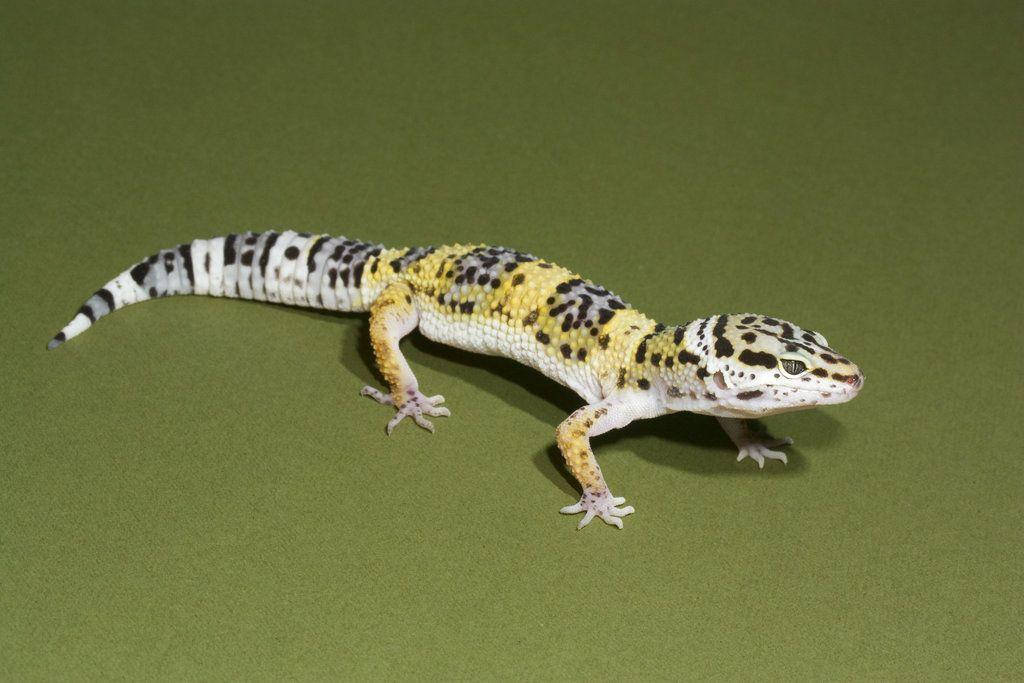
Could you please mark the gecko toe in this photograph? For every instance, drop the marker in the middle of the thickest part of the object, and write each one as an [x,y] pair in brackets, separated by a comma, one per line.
[376,395]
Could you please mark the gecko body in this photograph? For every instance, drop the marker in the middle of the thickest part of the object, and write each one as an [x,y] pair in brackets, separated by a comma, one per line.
[499,301]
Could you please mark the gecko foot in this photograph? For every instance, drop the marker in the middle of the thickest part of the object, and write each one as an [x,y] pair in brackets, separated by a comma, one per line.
[602,505]
[759,450]
[416,405]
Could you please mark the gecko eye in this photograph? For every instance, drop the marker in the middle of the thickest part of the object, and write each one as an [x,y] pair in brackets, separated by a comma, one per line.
[793,367]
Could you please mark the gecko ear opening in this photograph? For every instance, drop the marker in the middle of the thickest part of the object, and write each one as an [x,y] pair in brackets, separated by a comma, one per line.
[720,380]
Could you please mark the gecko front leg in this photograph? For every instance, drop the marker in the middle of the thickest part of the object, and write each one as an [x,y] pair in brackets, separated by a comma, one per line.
[573,436]
[751,444]
[392,316]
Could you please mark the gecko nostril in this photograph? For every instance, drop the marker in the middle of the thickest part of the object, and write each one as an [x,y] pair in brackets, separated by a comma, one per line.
[856,380]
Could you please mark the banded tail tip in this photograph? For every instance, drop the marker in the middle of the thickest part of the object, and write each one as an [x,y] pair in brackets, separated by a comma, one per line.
[56,341]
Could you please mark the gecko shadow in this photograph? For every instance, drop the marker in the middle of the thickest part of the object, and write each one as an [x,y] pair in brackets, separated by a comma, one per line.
[670,440]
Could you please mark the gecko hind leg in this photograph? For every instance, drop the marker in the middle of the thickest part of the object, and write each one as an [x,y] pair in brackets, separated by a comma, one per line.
[392,316]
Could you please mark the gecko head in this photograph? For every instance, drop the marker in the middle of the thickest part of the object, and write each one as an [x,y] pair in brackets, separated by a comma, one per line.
[758,365]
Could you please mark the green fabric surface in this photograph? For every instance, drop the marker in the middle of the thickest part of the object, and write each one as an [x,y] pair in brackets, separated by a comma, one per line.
[195,489]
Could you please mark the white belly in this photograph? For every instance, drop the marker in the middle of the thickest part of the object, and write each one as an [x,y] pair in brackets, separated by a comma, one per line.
[495,338]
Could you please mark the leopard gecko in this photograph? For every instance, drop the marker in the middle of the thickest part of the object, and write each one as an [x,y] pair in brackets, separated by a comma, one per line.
[498,301]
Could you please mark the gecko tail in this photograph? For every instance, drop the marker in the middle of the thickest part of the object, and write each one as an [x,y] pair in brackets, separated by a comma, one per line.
[166,273]
[292,268]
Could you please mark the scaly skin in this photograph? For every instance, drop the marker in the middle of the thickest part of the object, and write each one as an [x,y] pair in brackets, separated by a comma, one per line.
[502,302]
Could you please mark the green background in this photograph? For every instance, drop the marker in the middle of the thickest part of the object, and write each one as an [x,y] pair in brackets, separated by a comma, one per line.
[194,488]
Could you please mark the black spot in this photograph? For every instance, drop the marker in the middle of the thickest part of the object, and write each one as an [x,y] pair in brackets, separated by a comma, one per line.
[723,347]
[747,395]
[758,358]
[566,350]
[616,304]
[544,265]
[107,297]
[670,361]
[703,326]
[139,272]
[641,350]
[581,354]
[567,322]
[771,321]
[343,274]
[828,359]
[687,357]
[229,249]
[332,277]
[59,338]
[749,319]
[543,338]
[749,337]
[820,372]
[483,279]
[787,330]
[563,288]
[373,266]
[509,267]
[169,266]
[467,306]
[86,310]
[678,336]
[621,381]
[206,262]
[265,256]
[603,340]
[152,292]
[495,283]
[396,264]
[643,384]
[357,273]
[604,315]
[656,359]
[247,258]
[702,373]
[659,328]
[250,240]
[186,257]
